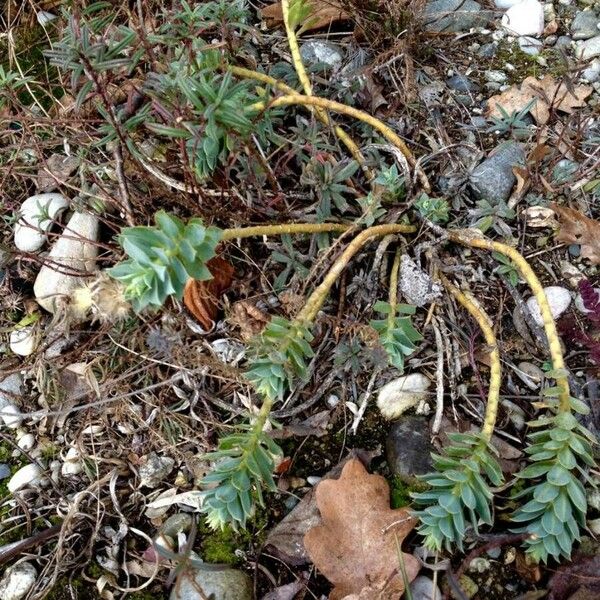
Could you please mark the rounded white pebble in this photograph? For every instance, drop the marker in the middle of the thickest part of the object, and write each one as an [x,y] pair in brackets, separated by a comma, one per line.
[11,415]
[22,341]
[30,230]
[25,476]
[72,464]
[27,442]
[17,581]
[559,300]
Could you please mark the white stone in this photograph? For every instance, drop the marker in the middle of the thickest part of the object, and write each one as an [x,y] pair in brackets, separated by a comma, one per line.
[11,415]
[23,341]
[504,4]
[524,18]
[26,442]
[28,237]
[17,581]
[559,300]
[74,250]
[592,73]
[26,476]
[44,17]
[588,48]
[400,394]
[72,464]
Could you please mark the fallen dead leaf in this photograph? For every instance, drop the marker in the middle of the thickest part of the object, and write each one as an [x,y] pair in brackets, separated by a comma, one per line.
[576,228]
[249,318]
[323,14]
[540,216]
[547,93]
[201,297]
[356,547]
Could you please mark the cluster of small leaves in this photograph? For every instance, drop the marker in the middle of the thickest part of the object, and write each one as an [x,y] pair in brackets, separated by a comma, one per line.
[506,268]
[11,83]
[487,216]
[244,464]
[280,357]
[162,258]
[460,494]
[329,182]
[292,261]
[396,332]
[514,123]
[436,210]
[557,504]
[89,43]
[219,114]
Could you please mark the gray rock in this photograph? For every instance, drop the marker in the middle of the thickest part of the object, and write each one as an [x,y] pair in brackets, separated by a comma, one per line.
[408,448]
[592,73]
[225,584]
[176,523]
[488,50]
[530,45]
[559,299]
[461,83]
[563,41]
[4,471]
[493,180]
[11,388]
[589,48]
[495,76]
[154,469]
[415,284]
[422,588]
[454,15]
[323,53]
[585,25]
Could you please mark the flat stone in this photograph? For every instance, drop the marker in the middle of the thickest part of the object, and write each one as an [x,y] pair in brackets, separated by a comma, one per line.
[592,73]
[559,300]
[408,449]
[461,83]
[5,471]
[416,285]
[587,49]
[223,584]
[493,180]
[402,393]
[452,16]
[585,25]
[317,52]
[154,469]
[563,41]
[422,588]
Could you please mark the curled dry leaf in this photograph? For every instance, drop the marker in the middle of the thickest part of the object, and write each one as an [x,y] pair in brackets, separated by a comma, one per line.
[540,216]
[546,92]
[201,297]
[249,318]
[356,547]
[323,14]
[576,228]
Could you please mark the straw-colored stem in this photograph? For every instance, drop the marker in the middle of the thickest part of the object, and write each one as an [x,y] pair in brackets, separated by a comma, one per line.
[385,130]
[491,409]
[285,228]
[468,239]
[317,298]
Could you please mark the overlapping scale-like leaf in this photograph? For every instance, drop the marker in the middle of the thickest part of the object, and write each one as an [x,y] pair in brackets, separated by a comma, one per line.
[459,493]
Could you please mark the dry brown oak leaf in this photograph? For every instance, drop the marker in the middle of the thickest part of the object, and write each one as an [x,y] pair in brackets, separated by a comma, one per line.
[576,228]
[323,14]
[201,298]
[356,547]
[547,92]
